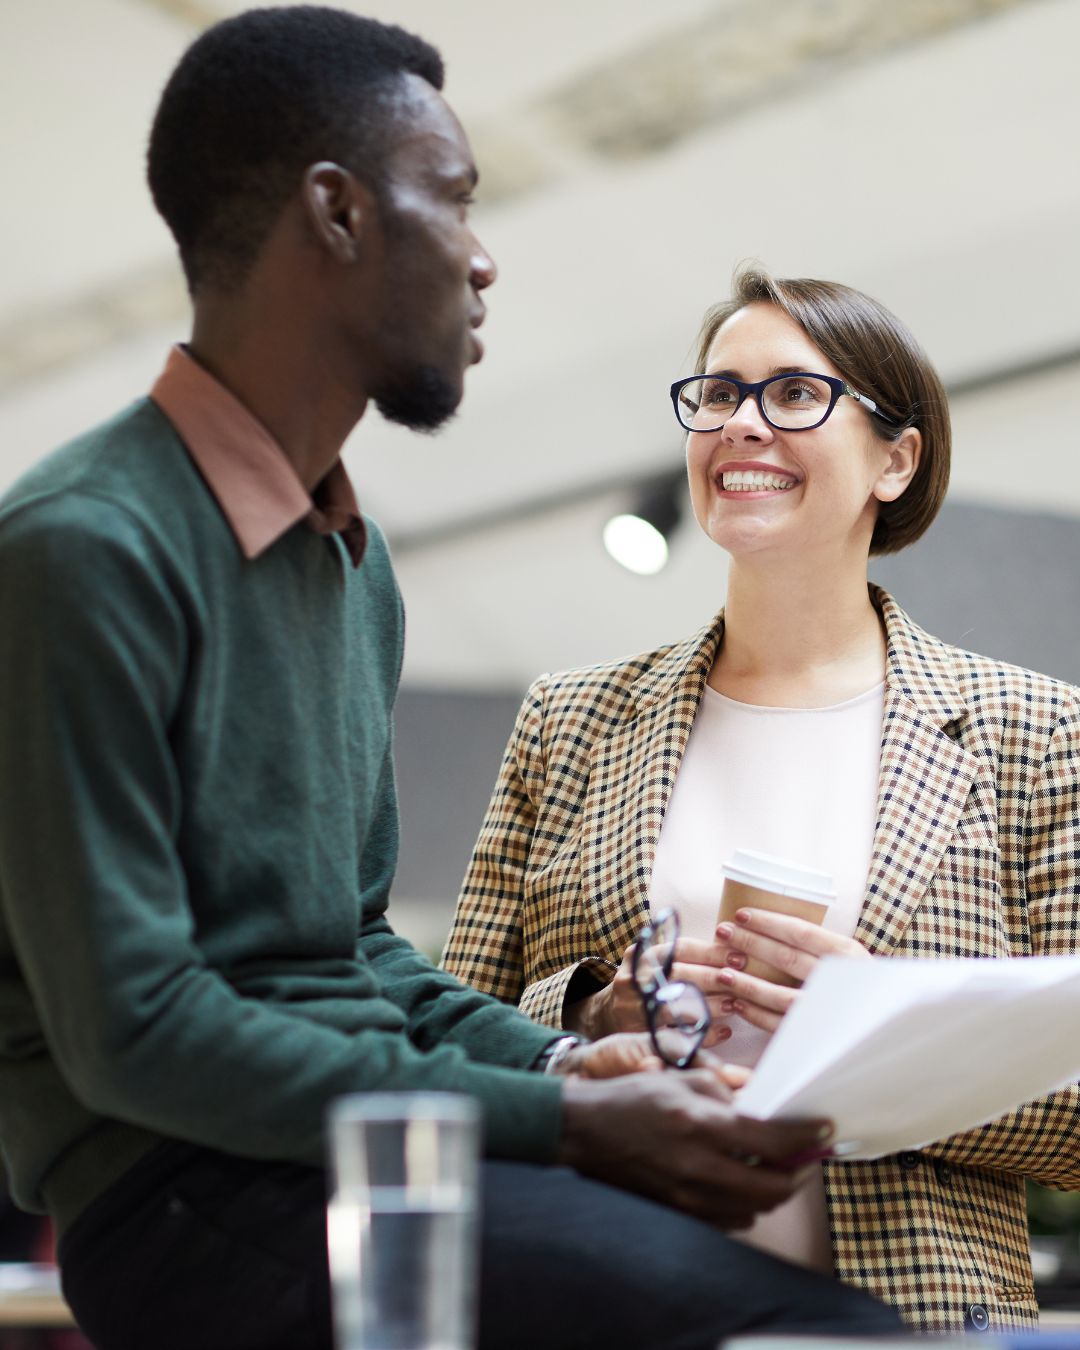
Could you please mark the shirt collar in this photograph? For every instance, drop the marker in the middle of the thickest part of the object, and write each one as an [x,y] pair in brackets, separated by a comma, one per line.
[258,490]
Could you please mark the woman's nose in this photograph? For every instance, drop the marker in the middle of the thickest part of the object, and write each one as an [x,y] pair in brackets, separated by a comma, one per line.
[747,422]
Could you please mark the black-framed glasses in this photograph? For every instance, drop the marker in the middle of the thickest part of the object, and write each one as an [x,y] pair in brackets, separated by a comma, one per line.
[676,1012]
[797,401]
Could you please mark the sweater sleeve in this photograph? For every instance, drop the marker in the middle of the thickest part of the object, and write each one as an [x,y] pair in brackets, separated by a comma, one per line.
[1041,1139]
[94,899]
[439,1008]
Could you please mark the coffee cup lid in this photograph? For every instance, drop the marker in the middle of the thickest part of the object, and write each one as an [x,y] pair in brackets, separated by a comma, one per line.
[780,876]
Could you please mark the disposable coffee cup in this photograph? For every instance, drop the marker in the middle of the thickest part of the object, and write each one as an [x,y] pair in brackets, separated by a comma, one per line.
[759,881]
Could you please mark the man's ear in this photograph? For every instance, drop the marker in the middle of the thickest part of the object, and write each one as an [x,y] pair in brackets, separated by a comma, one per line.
[338,207]
[904,455]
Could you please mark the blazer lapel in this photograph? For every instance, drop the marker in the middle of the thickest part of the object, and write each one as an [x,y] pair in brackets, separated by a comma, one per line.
[632,772]
[924,782]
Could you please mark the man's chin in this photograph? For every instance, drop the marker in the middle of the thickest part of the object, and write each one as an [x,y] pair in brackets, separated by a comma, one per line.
[425,400]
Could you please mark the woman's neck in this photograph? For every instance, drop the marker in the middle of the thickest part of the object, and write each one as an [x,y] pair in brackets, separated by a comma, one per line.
[798,638]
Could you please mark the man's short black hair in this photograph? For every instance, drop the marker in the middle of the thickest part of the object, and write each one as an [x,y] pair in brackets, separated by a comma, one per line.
[253,102]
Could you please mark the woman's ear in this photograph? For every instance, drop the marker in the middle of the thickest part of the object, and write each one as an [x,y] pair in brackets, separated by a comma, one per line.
[337,206]
[903,459]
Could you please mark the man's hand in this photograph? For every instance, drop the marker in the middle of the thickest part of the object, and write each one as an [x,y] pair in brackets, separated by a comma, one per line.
[633,1052]
[676,1138]
[611,1057]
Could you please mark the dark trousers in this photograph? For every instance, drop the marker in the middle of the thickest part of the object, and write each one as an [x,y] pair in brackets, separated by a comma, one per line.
[193,1250]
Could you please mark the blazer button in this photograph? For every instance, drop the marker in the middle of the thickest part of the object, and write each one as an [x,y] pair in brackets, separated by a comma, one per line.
[908,1159]
[942,1171]
[977,1319]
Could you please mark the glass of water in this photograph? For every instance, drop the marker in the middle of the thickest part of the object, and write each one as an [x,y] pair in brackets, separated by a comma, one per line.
[401,1222]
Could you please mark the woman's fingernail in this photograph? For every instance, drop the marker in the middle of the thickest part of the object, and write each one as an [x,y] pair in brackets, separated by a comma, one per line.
[725,976]
[727,1005]
[725,931]
[742,916]
[735,960]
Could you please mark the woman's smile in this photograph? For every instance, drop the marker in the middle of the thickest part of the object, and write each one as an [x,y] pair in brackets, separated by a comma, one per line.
[753,478]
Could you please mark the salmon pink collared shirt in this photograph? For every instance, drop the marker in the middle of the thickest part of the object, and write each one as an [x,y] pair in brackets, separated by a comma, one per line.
[257,488]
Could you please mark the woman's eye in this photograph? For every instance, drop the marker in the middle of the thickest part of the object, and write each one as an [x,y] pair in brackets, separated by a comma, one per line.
[717,394]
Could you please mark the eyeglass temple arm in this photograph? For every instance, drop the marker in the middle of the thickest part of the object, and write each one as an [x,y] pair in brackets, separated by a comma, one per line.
[871,407]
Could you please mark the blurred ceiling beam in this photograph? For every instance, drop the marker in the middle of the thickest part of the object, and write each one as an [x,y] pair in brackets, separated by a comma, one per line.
[192,12]
[722,66]
[702,74]
[49,338]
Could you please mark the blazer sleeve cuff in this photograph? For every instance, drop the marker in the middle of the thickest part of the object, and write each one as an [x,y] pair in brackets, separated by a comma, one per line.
[545,999]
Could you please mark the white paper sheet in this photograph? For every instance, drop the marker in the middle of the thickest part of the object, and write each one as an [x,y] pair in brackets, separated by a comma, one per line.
[901,1053]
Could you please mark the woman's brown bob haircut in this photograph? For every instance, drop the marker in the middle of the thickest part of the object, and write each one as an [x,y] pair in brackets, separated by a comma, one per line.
[877,355]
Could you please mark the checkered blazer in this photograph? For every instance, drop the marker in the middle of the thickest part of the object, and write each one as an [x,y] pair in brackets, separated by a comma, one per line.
[975,854]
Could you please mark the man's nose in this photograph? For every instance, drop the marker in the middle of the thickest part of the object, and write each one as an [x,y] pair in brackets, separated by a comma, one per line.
[482,269]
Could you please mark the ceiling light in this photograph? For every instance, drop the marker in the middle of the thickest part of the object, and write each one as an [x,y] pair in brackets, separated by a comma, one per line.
[639,539]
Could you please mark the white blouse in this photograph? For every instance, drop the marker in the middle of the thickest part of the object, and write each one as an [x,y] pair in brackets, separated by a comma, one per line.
[798,783]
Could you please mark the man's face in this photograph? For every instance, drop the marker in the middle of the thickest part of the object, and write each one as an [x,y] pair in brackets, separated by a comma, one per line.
[433,268]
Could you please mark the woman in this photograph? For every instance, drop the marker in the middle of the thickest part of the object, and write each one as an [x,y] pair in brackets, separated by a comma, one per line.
[811,720]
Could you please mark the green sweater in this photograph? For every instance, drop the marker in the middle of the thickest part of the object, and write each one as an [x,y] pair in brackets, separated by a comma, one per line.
[198,831]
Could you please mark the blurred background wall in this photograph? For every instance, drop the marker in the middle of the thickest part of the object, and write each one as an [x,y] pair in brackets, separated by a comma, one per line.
[631,153]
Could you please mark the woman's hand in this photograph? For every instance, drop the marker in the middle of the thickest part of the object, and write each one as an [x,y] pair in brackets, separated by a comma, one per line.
[618,1006]
[791,945]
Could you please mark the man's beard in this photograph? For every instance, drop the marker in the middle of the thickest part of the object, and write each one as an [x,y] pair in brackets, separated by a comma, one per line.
[422,400]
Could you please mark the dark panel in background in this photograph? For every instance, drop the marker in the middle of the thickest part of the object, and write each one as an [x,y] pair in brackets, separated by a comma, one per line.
[449,747]
[1003,583]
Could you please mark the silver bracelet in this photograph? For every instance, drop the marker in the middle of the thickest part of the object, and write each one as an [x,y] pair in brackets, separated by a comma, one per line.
[553,1055]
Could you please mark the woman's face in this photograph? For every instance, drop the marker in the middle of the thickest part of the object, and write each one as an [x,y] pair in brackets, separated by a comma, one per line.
[827,482]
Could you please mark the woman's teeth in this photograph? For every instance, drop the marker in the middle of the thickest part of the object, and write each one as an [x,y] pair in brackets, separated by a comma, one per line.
[747,480]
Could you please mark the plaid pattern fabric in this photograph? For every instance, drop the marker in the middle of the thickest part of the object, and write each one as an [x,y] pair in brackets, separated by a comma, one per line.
[975,854]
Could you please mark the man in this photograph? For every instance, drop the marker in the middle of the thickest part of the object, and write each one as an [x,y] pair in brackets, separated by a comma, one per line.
[197,817]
